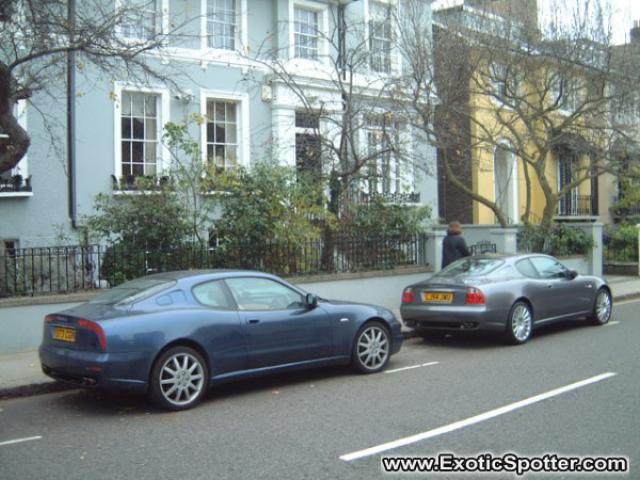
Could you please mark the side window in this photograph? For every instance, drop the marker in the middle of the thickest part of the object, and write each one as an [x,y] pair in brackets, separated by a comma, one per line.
[526,268]
[252,293]
[213,294]
[548,267]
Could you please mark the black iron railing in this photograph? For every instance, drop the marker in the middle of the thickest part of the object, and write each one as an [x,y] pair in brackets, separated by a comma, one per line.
[31,271]
[15,184]
[407,197]
[616,249]
[576,206]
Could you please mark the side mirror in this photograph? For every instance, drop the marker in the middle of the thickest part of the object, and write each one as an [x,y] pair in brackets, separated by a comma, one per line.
[572,274]
[310,300]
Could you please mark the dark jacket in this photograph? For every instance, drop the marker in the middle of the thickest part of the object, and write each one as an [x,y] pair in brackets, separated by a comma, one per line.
[453,248]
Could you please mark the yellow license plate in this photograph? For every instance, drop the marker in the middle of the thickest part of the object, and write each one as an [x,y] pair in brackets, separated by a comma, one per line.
[64,334]
[437,297]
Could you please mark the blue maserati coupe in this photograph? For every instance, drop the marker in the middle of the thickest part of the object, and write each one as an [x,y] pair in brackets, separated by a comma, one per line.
[172,335]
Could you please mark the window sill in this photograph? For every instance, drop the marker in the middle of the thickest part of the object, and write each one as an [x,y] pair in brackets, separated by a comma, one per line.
[16,194]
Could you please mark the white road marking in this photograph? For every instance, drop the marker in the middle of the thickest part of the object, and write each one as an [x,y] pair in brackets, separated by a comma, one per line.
[411,367]
[611,323]
[20,440]
[472,420]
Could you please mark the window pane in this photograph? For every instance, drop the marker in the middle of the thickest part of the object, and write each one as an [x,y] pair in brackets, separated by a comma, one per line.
[151,129]
[220,112]
[220,136]
[137,169]
[263,294]
[126,103]
[138,128]
[126,152]
[150,105]
[126,127]
[470,266]
[150,153]
[137,151]
[213,295]
[231,112]
[232,159]
[137,104]
[220,155]
[231,134]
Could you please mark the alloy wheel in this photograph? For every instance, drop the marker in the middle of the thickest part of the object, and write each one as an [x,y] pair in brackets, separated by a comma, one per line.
[373,347]
[521,323]
[181,379]
[603,306]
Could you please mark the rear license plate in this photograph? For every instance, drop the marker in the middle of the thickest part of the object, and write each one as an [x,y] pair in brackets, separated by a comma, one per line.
[64,334]
[437,297]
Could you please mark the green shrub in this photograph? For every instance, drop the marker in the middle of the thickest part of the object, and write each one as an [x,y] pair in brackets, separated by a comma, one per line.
[561,240]
[622,243]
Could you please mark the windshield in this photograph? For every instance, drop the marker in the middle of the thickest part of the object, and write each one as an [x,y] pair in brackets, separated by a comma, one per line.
[133,291]
[470,266]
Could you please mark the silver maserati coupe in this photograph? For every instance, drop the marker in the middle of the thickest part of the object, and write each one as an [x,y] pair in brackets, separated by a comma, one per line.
[507,294]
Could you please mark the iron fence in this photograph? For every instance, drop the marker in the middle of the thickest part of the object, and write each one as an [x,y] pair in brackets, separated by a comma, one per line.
[619,250]
[65,269]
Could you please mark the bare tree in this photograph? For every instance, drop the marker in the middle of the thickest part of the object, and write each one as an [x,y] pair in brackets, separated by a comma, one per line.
[503,83]
[42,40]
[358,139]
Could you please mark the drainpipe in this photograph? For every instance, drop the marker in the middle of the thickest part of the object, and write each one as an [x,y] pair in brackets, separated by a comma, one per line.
[71,116]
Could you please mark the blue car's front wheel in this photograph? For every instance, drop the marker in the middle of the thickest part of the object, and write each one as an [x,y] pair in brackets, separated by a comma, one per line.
[178,379]
[372,348]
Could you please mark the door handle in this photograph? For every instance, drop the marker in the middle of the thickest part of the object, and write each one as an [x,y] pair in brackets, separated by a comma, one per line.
[253,320]
[549,285]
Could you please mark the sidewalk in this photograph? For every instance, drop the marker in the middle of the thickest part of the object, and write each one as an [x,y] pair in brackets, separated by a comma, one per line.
[20,373]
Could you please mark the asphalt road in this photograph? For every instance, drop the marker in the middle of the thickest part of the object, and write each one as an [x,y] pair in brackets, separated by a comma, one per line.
[320,424]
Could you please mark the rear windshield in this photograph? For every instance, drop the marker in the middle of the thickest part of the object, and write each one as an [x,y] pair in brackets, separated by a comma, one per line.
[471,266]
[133,291]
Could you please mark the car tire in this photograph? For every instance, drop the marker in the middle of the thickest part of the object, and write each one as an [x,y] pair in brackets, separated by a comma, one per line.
[519,324]
[371,348]
[602,307]
[179,379]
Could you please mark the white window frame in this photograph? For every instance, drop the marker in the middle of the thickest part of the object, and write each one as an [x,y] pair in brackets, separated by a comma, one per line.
[395,54]
[572,95]
[22,168]
[323,29]
[162,11]
[514,209]
[399,179]
[393,61]
[242,122]
[164,114]
[242,36]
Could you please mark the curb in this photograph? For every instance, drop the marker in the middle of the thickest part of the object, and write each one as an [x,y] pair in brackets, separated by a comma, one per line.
[33,389]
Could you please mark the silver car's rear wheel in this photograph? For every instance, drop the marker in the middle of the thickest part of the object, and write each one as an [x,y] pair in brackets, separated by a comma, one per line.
[602,307]
[372,348]
[520,323]
[179,379]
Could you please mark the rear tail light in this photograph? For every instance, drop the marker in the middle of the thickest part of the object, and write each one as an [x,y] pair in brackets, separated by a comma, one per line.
[474,296]
[407,296]
[49,318]
[97,329]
